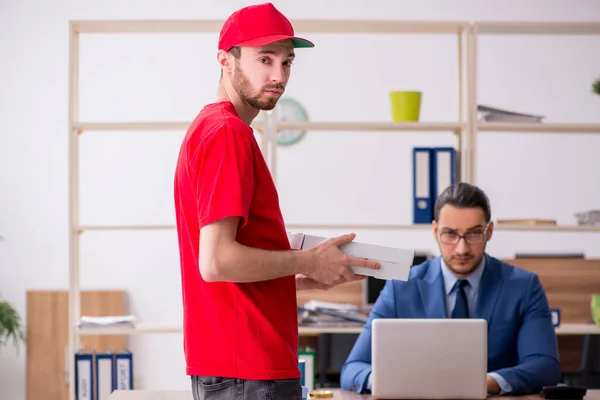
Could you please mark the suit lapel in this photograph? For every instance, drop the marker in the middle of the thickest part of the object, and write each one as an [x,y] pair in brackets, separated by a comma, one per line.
[489,288]
[431,289]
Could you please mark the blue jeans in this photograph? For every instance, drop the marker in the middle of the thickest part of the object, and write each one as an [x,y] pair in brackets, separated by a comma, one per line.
[217,388]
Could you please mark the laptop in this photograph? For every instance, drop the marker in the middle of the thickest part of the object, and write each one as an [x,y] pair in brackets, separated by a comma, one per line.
[429,358]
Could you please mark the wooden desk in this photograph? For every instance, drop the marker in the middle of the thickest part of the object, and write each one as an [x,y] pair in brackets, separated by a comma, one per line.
[338,395]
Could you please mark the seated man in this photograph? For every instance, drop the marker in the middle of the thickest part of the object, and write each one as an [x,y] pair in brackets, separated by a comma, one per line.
[466,282]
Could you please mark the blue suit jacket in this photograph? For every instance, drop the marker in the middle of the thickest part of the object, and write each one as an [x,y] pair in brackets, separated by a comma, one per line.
[522,344]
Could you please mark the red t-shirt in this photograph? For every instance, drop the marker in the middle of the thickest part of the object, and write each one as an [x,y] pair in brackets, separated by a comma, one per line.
[239,330]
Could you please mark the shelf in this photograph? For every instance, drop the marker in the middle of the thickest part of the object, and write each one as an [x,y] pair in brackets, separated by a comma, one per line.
[467,93]
[577,329]
[548,228]
[356,126]
[523,227]
[83,228]
[373,126]
[315,331]
[172,328]
[348,26]
[379,26]
[564,329]
[360,226]
[139,126]
[296,226]
[304,26]
[537,127]
[130,126]
[129,330]
[537,28]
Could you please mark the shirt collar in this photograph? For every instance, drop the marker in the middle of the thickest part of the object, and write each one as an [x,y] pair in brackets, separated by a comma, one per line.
[450,279]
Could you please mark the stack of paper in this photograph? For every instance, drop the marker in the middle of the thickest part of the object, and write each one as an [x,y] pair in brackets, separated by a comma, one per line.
[110,320]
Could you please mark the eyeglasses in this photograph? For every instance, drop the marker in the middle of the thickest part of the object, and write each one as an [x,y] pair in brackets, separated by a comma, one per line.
[470,238]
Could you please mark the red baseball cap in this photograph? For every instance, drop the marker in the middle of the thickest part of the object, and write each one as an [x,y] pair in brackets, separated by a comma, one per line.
[258,25]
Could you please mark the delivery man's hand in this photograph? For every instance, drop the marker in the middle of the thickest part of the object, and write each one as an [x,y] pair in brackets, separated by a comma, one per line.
[330,266]
[304,282]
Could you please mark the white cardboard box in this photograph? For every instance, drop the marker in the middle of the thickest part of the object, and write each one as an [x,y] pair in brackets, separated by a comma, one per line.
[395,263]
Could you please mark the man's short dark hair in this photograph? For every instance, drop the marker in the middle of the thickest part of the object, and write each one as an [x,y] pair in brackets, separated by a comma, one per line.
[463,195]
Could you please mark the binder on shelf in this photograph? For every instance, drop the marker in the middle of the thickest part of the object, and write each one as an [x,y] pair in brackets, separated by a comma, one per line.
[423,198]
[97,375]
[124,370]
[444,169]
[84,377]
[105,375]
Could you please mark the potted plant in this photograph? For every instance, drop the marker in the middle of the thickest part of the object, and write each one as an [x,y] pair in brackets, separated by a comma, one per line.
[11,326]
[596,86]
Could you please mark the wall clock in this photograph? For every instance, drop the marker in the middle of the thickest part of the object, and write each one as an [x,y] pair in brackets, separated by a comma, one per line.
[291,111]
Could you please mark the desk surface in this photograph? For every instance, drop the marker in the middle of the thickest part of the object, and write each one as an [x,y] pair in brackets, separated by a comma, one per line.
[339,395]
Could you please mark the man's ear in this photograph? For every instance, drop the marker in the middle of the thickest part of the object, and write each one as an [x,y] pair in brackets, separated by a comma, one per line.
[490,230]
[224,60]
[434,229]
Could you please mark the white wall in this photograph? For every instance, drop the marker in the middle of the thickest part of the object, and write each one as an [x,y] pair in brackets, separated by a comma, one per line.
[328,177]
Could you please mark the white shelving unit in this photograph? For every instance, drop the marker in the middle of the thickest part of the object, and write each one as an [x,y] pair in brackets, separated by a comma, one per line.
[498,28]
[465,128]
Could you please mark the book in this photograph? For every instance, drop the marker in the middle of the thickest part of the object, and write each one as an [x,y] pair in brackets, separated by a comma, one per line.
[526,221]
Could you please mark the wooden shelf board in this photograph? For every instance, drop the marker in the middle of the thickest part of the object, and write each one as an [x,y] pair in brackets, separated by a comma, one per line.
[540,127]
[563,329]
[258,124]
[547,228]
[348,26]
[139,126]
[315,331]
[84,228]
[372,126]
[537,28]
[388,227]
[357,126]
[359,226]
[129,330]
[577,329]
[379,26]
[300,26]
[130,126]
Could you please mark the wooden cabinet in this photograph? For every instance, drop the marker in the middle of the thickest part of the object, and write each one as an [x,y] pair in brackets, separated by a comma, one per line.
[48,337]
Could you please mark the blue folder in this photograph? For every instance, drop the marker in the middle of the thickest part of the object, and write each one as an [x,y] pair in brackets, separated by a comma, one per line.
[423,199]
[444,171]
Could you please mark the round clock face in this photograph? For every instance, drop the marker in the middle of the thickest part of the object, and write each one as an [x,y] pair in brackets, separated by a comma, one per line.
[291,111]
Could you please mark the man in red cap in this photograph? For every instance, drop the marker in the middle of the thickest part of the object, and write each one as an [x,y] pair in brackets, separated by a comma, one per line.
[239,273]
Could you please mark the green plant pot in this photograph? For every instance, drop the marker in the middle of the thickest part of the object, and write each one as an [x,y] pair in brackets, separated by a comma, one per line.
[406,105]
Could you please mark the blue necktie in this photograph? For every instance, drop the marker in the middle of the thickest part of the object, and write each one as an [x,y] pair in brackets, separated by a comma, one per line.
[461,308]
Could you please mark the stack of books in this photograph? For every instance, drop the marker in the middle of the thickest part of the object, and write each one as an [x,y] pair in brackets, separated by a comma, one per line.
[526,221]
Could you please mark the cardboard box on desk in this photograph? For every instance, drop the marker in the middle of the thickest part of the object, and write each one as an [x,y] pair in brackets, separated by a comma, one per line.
[395,263]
